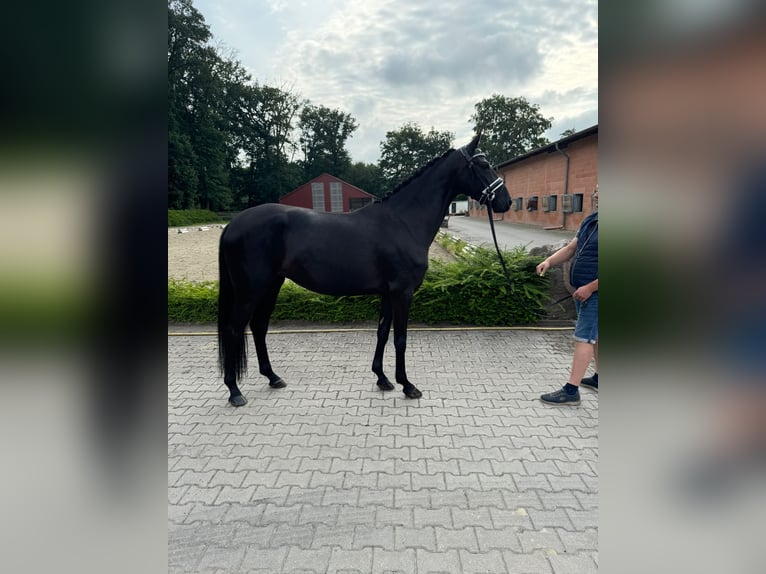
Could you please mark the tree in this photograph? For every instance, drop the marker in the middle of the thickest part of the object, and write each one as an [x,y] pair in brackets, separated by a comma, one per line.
[407,149]
[567,133]
[509,126]
[324,133]
[366,176]
[182,171]
[200,149]
[229,139]
[262,122]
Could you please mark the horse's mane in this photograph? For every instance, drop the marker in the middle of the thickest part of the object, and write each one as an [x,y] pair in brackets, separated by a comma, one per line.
[415,175]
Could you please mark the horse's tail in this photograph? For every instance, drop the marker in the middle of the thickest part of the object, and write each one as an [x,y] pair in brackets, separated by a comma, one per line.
[232,346]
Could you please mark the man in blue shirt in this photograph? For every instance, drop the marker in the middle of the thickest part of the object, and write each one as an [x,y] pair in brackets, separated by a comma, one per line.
[583,275]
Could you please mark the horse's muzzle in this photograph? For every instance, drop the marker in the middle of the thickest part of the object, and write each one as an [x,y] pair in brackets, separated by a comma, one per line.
[501,199]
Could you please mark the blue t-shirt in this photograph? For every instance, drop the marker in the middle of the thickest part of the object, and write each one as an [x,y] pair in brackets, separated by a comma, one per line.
[584,268]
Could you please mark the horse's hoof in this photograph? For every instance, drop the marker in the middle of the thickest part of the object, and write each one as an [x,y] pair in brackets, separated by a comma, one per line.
[385,385]
[278,384]
[412,393]
[238,401]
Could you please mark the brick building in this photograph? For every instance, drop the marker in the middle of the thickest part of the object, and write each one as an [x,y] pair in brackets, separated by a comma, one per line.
[551,186]
[328,193]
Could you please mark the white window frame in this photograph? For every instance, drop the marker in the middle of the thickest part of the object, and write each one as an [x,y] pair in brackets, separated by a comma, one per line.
[317,196]
[336,197]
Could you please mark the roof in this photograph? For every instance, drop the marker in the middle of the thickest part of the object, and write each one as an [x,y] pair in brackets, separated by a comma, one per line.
[326,175]
[563,143]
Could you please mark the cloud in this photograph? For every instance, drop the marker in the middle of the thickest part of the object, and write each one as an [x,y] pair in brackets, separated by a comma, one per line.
[388,62]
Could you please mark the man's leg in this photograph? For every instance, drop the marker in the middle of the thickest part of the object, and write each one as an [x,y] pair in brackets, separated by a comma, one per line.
[586,337]
[583,354]
[595,355]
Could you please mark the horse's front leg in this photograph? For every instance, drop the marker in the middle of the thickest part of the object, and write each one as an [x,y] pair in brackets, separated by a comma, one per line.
[401,310]
[384,326]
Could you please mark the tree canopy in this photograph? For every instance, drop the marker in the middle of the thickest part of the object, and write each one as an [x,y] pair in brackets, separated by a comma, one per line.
[408,148]
[324,133]
[509,126]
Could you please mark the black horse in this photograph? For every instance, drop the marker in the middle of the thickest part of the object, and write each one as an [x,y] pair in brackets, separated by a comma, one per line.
[379,249]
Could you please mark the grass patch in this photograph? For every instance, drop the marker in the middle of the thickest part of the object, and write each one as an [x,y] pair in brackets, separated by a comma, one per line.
[181,217]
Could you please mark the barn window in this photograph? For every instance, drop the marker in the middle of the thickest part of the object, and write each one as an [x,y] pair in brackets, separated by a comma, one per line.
[355,203]
[336,196]
[317,196]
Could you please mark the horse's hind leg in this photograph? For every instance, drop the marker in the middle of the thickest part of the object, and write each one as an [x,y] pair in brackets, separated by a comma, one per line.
[384,326]
[235,360]
[259,325]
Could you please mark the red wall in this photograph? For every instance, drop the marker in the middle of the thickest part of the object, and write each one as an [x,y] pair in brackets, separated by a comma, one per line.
[301,196]
[544,174]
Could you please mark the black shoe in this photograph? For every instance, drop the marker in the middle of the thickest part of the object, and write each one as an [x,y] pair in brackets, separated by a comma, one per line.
[561,397]
[590,383]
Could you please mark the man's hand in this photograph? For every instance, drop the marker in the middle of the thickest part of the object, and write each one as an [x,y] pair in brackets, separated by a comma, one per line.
[583,293]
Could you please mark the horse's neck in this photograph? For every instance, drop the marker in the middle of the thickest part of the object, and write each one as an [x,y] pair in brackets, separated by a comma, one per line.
[422,204]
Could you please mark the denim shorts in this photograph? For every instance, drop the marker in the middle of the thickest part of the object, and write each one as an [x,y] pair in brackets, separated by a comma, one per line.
[586,328]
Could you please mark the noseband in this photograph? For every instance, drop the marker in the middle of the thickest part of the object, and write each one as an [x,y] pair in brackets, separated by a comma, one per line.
[488,193]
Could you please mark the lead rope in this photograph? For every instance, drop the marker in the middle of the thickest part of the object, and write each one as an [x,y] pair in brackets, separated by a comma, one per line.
[500,255]
[494,238]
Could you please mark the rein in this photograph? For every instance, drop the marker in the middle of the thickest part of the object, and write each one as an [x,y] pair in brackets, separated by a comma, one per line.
[494,238]
[487,195]
[502,262]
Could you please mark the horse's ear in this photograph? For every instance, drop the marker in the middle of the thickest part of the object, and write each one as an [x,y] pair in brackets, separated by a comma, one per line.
[474,143]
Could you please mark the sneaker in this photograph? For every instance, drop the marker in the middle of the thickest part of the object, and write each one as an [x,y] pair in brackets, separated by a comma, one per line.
[561,397]
[590,383]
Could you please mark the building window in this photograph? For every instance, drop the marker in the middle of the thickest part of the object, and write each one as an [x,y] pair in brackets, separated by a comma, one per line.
[355,203]
[336,196]
[317,196]
[549,203]
[577,201]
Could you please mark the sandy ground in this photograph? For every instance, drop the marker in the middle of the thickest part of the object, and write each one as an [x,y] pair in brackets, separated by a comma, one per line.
[193,255]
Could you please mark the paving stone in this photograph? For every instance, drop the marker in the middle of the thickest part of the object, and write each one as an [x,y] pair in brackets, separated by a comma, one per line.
[314,560]
[573,564]
[448,538]
[438,562]
[227,559]
[503,539]
[527,563]
[397,562]
[482,563]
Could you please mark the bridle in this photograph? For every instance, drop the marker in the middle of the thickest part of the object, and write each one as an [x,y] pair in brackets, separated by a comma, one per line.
[488,193]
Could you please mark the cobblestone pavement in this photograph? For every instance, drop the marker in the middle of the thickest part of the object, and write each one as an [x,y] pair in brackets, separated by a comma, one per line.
[330,475]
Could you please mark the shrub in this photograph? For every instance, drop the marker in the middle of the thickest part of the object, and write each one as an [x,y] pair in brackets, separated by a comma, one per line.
[474,290]
[192,302]
[179,218]
[470,291]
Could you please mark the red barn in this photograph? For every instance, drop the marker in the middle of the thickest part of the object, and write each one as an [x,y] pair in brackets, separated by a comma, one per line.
[328,193]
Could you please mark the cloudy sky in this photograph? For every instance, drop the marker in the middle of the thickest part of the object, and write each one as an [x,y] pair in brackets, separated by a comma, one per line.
[389,62]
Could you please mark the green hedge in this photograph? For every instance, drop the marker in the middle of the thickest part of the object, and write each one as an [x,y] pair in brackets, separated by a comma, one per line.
[472,291]
[179,218]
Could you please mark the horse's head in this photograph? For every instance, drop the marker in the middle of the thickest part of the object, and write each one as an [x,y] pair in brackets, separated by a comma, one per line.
[483,183]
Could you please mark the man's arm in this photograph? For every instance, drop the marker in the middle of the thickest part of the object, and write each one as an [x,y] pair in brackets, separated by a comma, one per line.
[564,254]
